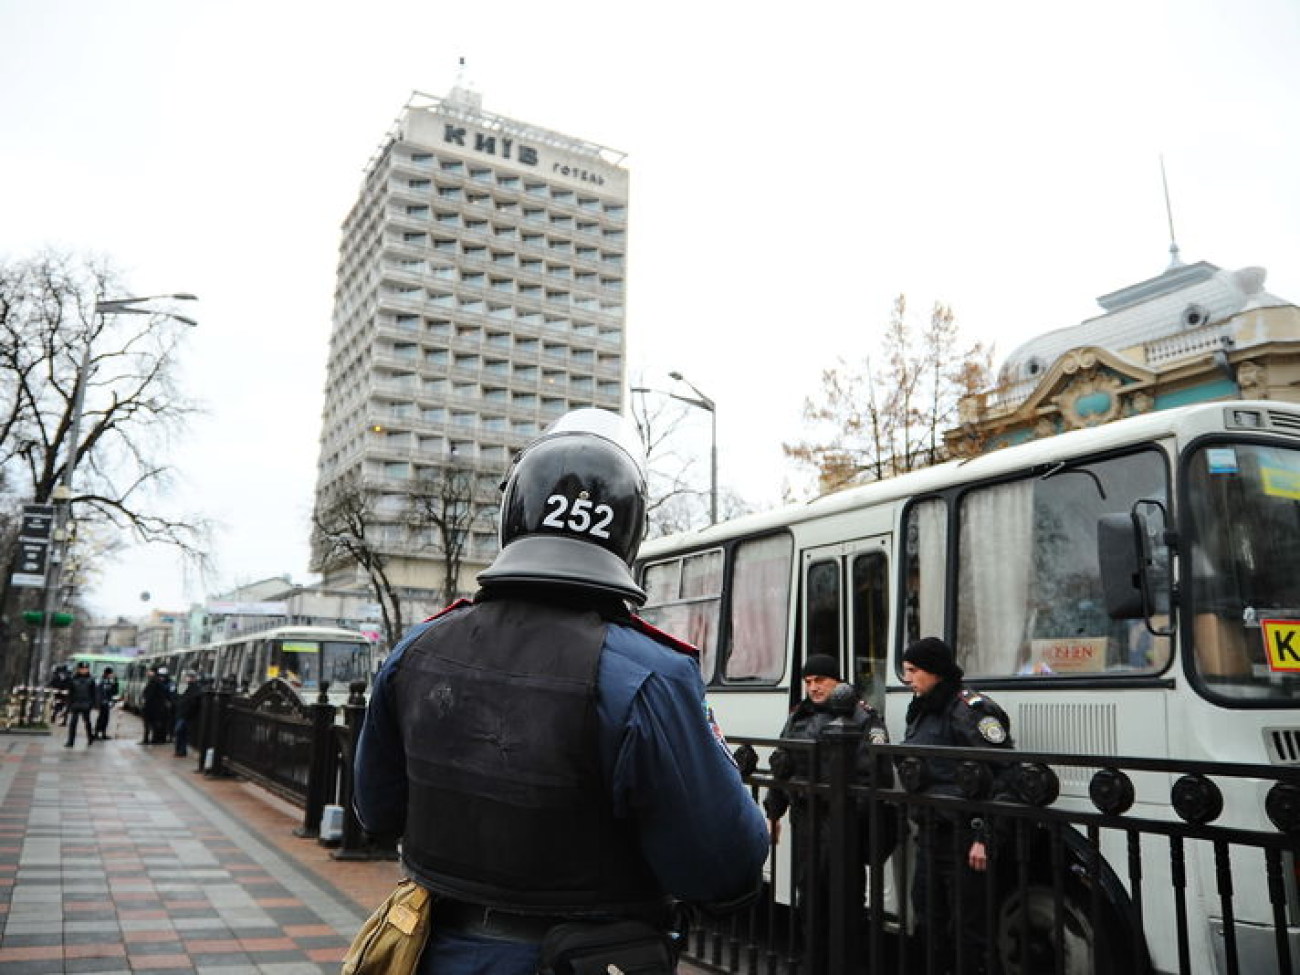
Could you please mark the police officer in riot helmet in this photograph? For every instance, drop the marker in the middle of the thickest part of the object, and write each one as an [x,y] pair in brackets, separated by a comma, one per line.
[945,712]
[545,755]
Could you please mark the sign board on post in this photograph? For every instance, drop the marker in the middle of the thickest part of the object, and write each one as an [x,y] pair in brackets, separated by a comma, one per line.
[33,561]
[38,521]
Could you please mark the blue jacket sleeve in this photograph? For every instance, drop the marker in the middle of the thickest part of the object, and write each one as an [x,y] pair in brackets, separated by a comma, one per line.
[669,769]
[379,768]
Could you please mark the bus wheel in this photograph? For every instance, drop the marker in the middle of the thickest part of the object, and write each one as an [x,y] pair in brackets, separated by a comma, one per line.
[1040,953]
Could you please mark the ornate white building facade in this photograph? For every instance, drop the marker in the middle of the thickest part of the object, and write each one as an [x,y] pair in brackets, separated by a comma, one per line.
[1193,333]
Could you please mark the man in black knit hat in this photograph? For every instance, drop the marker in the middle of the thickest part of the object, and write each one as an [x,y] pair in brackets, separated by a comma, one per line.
[945,712]
[809,720]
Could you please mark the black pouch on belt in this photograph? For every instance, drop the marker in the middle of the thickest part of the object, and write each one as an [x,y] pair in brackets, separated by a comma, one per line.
[606,948]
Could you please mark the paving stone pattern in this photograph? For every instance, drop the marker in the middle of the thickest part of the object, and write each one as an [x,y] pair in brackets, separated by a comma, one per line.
[115,858]
[118,858]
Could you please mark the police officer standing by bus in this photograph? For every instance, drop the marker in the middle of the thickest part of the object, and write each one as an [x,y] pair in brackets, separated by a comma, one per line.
[546,755]
[809,721]
[954,847]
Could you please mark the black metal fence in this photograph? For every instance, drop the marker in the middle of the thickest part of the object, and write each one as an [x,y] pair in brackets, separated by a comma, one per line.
[1139,865]
[1136,865]
[301,752]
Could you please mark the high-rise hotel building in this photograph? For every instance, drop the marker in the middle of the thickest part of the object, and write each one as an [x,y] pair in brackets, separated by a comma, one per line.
[480,296]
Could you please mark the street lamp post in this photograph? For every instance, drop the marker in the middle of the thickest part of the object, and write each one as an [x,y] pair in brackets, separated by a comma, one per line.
[704,403]
[62,493]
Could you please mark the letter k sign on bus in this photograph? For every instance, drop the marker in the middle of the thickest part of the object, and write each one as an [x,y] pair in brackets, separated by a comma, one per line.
[1282,643]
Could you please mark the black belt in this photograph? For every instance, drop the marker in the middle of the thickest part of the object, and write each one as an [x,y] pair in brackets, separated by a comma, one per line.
[462,917]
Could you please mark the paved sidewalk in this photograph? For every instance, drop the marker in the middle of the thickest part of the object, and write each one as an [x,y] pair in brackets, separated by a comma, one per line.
[118,857]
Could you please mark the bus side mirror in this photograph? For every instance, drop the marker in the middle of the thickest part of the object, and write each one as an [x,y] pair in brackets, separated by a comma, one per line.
[1119,558]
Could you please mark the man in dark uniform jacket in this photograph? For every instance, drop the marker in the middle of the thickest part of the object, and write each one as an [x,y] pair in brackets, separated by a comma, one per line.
[545,755]
[809,721]
[108,692]
[83,695]
[945,712]
[157,696]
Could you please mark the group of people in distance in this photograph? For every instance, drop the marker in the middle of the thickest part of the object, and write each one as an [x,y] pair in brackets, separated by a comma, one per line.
[553,769]
[168,715]
[77,694]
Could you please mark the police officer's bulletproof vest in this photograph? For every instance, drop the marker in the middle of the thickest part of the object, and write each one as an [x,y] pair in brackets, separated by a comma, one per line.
[507,804]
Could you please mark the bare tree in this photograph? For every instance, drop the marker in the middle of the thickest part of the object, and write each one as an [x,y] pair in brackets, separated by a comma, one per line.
[446,504]
[889,415]
[345,526]
[674,504]
[689,510]
[108,380]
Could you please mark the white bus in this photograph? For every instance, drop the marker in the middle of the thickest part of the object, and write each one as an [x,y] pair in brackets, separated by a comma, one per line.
[1131,589]
[303,656]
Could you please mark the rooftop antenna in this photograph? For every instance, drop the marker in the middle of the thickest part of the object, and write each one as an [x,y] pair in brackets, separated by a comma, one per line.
[462,93]
[1174,259]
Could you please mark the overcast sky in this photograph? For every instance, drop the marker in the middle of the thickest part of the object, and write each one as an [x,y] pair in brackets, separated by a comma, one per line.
[794,167]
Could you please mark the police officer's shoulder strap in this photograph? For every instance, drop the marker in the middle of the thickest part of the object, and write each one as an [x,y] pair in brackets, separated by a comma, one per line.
[874,723]
[974,699]
[991,721]
[659,636]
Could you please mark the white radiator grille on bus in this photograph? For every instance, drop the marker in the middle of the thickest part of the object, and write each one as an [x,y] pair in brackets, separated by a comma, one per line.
[1283,745]
[1088,729]
[1284,420]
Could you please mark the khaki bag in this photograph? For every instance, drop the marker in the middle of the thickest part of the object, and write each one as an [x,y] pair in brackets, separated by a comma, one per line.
[393,938]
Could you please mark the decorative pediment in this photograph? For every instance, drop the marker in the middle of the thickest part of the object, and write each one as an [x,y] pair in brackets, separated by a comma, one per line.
[1086,388]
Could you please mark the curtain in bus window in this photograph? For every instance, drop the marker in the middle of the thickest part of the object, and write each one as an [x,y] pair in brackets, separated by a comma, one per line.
[760,601]
[661,582]
[702,585]
[702,575]
[993,577]
[685,602]
[927,551]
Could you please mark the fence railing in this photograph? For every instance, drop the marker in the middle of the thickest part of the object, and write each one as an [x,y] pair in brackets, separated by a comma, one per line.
[1158,865]
[300,752]
[1165,866]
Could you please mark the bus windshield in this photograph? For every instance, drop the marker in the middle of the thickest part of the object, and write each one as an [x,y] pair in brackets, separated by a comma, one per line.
[304,663]
[1243,502]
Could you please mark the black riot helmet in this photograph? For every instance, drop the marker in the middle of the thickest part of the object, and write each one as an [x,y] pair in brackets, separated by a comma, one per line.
[574,510]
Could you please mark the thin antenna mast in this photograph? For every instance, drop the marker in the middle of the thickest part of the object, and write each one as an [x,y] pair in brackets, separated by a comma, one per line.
[1174,259]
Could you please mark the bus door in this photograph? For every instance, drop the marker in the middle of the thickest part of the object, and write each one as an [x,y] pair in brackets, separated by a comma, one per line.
[846,600]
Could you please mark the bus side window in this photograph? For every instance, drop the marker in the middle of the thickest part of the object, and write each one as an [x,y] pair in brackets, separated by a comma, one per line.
[685,600]
[759,609]
[823,600]
[927,560]
[1029,594]
[870,626]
